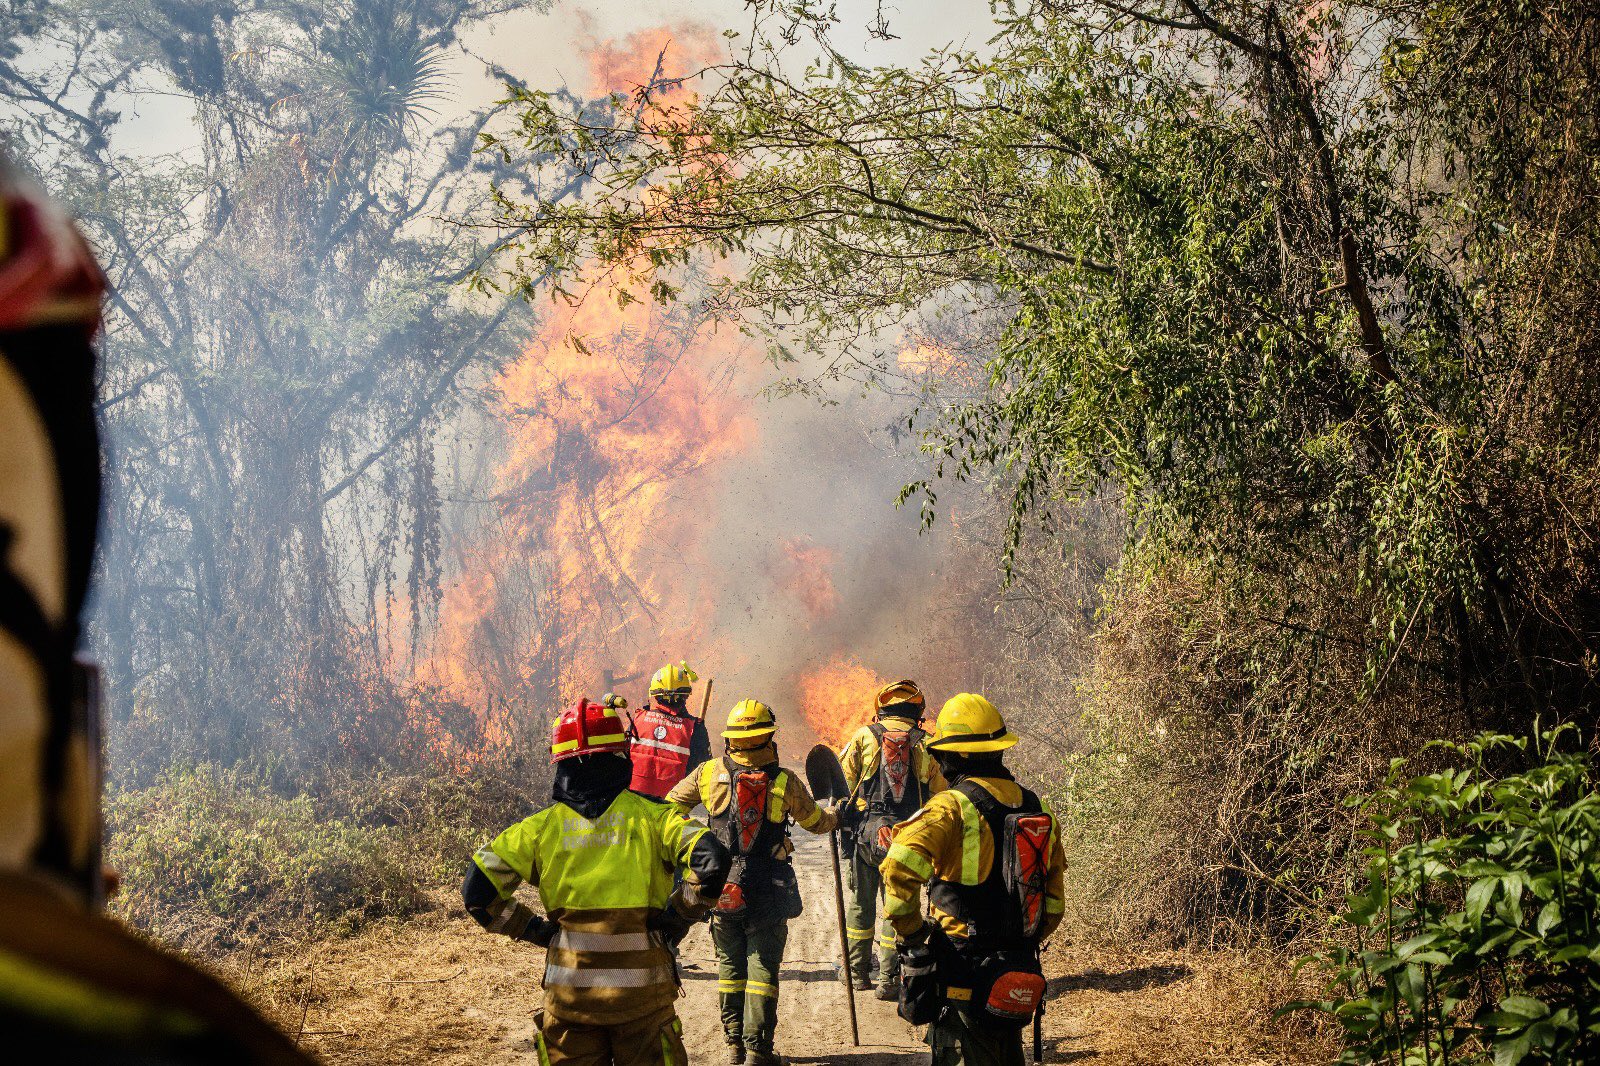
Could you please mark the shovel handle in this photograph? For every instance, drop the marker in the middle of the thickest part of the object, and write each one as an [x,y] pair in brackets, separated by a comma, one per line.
[844,940]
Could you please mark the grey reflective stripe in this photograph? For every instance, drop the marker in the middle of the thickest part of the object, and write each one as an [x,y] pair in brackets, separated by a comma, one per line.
[497,870]
[597,977]
[652,742]
[509,917]
[581,941]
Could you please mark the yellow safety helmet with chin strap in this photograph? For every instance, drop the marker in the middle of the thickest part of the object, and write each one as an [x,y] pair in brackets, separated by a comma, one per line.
[969,724]
[750,718]
[673,680]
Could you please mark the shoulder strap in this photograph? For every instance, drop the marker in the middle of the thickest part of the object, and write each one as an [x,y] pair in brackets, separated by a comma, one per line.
[780,792]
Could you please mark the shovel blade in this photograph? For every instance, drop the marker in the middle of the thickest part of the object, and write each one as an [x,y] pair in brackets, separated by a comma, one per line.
[824,774]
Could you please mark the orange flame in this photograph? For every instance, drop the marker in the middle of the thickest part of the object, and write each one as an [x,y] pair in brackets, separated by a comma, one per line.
[595,539]
[590,557]
[930,361]
[662,53]
[808,577]
[837,699]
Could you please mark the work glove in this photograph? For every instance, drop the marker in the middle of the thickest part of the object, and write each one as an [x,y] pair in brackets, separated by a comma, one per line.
[672,924]
[914,939]
[929,940]
[540,930]
[849,814]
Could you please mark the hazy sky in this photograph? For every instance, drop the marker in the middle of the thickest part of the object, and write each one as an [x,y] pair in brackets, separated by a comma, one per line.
[551,49]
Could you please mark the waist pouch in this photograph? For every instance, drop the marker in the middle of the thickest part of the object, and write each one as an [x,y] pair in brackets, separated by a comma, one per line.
[786,891]
[770,888]
[1006,990]
[923,971]
[874,837]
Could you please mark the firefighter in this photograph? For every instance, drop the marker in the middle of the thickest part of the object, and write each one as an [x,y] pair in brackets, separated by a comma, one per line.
[891,775]
[604,860]
[752,800]
[75,986]
[668,743]
[990,854]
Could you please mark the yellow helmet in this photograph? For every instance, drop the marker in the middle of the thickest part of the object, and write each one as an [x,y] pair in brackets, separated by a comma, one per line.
[902,699]
[749,718]
[673,680]
[969,723]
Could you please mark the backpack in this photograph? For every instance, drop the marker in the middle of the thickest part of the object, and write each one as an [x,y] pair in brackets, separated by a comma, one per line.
[889,792]
[755,877]
[998,962]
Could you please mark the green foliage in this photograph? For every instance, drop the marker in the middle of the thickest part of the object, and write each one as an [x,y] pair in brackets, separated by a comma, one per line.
[213,858]
[1280,325]
[1479,918]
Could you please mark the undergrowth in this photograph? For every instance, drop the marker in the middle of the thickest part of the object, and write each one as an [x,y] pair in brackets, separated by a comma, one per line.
[214,858]
[1476,927]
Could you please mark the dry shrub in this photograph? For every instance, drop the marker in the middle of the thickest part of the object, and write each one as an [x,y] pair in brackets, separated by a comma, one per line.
[214,859]
[1226,724]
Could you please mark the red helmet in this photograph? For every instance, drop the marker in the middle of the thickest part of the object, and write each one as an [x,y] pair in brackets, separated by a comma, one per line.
[588,729]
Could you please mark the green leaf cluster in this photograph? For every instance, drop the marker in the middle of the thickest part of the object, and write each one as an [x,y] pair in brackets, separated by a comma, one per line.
[1478,920]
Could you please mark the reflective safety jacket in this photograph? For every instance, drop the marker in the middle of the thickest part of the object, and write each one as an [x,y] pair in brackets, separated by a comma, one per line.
[76,986]
[861,758]
[949,840]
[600,879]
[665,746]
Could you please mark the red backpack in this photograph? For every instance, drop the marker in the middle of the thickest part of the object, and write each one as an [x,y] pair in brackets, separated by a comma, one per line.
[1026,851]
[748,834]
[894,762]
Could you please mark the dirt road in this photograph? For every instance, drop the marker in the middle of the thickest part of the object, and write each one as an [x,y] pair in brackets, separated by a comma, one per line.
[813,1015]
[439,990]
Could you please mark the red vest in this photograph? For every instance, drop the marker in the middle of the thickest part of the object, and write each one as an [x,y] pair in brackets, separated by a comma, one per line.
[660,750]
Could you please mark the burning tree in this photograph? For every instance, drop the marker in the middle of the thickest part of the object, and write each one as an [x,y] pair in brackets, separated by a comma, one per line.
[286,341]
[589,553]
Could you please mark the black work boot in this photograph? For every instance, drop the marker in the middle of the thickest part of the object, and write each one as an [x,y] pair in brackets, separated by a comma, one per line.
[736,1054]
[861,983]
[765,1058]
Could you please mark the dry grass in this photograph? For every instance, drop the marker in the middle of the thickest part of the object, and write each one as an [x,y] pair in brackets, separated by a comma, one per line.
[430,989]
[436,989]
[1173,1007]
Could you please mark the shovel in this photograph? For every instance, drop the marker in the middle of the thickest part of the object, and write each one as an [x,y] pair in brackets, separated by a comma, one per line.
[827,781]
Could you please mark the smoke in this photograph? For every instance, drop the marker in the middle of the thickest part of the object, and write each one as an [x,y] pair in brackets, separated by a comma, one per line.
[649,502]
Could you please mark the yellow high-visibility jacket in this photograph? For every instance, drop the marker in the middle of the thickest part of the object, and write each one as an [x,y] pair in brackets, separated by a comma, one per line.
[859,759]
[600,879]
[948,840]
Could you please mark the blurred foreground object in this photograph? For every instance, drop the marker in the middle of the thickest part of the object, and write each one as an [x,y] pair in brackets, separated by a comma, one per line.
[75,986]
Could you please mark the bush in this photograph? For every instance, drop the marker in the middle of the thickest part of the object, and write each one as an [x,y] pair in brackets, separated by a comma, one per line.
[211,859]
[1218,750]
[1477,928]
